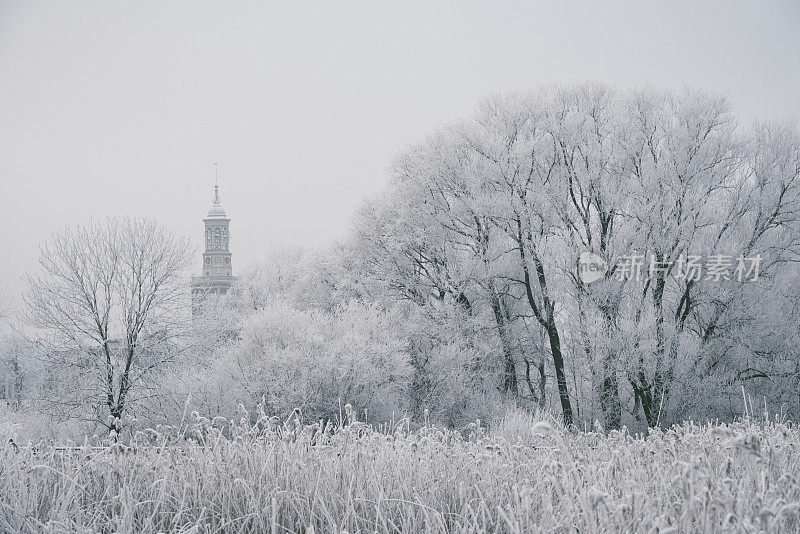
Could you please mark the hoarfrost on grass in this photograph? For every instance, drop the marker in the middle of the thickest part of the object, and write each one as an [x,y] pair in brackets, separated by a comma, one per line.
[524,475]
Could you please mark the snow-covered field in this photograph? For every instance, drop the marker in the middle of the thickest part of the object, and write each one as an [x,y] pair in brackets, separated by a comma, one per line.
[523,475]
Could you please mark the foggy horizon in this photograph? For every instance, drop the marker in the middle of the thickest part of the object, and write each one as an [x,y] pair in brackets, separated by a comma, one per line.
[113,110]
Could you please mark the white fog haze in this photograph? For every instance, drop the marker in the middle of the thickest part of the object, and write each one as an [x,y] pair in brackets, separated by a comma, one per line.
[111,108]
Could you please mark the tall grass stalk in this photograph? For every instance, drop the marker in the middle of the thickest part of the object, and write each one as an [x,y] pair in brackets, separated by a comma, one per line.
[525,475]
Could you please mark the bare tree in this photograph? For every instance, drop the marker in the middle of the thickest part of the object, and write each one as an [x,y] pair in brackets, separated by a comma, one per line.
[108,306]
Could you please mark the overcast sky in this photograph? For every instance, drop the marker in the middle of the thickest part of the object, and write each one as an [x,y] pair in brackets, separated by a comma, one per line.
[122,108]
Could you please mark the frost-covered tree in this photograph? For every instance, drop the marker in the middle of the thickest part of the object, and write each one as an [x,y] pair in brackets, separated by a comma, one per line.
[107,306]
[493,212]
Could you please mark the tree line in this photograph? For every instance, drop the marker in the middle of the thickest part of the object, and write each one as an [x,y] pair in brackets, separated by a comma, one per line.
[458,292]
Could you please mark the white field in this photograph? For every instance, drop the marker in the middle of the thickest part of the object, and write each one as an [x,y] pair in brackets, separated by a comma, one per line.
[523,476]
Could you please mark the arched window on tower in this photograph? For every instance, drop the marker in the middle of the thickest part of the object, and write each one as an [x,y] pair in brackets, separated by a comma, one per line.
[224,239]
[209,238]
[217,238]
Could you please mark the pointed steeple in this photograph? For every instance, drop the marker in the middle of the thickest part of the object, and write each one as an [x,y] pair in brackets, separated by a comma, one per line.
[216,186]
[217,274]
[216,211]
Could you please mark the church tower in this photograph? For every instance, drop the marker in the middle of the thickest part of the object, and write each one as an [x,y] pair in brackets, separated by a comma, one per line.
[217,257]
[217,274]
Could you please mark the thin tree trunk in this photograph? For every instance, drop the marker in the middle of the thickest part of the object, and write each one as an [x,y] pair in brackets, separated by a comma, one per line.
[545,314]
[548,322]
[609,394]
[661,349]
[609,390]
[540,395]
[561,378]
[420,380]
[509,380]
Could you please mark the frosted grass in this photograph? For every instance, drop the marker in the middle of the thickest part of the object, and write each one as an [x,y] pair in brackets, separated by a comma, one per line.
[525,475]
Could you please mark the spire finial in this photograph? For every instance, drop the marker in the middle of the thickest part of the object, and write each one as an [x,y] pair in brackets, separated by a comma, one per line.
[216,185]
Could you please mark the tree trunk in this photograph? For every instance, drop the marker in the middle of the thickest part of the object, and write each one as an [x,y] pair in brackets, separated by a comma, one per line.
[509,380]
[545,314]
[538,396]
[561,377]
[609,395]
[420,380]
[661,349]
[609,390]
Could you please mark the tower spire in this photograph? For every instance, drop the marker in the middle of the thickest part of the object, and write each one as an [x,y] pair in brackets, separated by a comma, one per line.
[217,275]
[217,201]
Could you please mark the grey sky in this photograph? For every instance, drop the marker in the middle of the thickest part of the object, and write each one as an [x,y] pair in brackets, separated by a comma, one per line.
[111,108]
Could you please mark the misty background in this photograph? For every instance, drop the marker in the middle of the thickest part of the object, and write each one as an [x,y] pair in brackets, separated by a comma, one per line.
[110,109]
